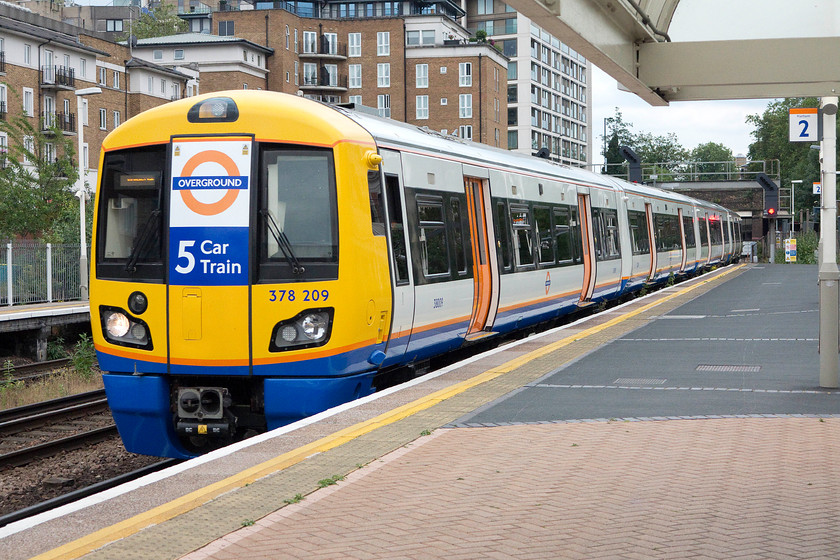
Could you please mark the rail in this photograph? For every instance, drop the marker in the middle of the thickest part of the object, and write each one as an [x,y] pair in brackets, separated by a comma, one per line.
[696,171]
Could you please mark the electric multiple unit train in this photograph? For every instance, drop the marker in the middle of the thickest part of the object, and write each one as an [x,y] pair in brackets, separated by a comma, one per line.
[260,257]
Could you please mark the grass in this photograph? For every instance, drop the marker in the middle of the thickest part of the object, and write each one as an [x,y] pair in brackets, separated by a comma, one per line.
[81,376]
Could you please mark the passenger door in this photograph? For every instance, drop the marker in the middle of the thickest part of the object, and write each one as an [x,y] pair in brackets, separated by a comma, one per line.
[402,282]
[588,239]
[485,264]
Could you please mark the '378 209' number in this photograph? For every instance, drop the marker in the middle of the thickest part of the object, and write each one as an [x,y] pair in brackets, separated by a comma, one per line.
[290,295]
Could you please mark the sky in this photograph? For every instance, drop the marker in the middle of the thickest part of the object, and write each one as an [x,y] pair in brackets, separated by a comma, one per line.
[698,122]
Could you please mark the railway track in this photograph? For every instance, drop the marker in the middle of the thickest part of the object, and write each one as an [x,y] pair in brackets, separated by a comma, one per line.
[39,431]
[34,371]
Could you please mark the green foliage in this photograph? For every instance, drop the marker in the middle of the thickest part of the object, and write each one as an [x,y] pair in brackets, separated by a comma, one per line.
[83,357]
[712,154]
[159,22]
[296,499]
[481,35]
[55,349]
[796,159]
[323,483]
[36,186]
[806,247]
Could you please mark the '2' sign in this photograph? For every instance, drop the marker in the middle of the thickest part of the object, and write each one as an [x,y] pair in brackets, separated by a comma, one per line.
[804,125]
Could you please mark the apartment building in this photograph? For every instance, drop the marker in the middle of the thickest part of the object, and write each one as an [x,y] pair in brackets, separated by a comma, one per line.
[43,63]
[548,90]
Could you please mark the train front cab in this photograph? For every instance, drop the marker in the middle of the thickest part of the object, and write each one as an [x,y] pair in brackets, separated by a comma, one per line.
[227,312]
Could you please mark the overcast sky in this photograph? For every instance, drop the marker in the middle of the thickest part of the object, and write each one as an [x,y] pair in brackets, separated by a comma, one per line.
[698,122]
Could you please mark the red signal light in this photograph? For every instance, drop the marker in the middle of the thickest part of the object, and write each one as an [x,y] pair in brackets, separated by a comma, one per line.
[771,211]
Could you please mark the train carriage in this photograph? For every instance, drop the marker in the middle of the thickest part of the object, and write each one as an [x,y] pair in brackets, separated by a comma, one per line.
[260,257]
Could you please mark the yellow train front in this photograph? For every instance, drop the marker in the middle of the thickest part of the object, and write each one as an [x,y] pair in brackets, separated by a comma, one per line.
[237,283]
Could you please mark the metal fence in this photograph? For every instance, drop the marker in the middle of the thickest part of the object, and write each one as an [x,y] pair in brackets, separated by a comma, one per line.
[32,272]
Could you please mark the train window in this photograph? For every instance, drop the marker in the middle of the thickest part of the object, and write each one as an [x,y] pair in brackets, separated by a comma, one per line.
[458,235]
[392,190]
[298,218]
[639,238]
[377,208]
[667,232]
[563,235]
[434,254]
[542,217]
[130,240]
[704,234]
[523,248]
[605,225]
[688,227]
[715,230]
[502,235]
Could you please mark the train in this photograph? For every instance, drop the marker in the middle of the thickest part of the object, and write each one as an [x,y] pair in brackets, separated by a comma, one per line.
[259,257]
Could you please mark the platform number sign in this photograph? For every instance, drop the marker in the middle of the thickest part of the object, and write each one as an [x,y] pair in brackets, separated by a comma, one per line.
[804,125]
[209,211]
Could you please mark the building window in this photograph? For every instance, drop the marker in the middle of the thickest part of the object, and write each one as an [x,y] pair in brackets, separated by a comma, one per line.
[465,131]
[465,106]
[116,119]
[116,80]
[412,38]
[163,87]
[356,99]
[288,37]
[428,37]
[27,55]
[422,74]
[297,73]
[158,55]
[383,104]
[28,102]
[355,76]
[354,43]
[383,75]
[485,7]
[113,25]
[331,40]
[82,68]
[103,77]
[226,28]
[103,119]
[331,74]
[150,83]
[296,40]
[465,74]
[422,104]
[179,54]
[383,43]
[310,42]
[310,74]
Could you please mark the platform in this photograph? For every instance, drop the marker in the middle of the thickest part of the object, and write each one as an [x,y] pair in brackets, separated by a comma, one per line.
[686,424]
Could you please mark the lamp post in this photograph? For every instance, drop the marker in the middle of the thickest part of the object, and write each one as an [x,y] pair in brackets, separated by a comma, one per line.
[82,192]
[792,215]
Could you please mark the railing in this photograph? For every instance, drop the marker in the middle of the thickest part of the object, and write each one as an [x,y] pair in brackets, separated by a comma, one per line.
[58,75]
[66,122]
[32,272]
[694,171]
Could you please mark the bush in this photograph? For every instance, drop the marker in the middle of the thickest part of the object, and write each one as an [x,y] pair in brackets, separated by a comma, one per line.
[83,357]
[806,249]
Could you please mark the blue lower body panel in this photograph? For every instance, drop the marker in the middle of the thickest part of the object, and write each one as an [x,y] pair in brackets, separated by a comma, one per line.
[289,400]
[140,406]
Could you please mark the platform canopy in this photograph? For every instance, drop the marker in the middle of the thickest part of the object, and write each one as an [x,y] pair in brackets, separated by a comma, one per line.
[628,39]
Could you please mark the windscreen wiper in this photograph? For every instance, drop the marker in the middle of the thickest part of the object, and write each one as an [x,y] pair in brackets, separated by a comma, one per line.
[141,242]
[283,242]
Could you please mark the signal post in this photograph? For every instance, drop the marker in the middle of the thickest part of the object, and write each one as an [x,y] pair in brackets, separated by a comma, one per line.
[829,274]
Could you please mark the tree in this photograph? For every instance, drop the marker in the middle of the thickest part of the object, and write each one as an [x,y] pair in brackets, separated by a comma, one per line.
[617,134]
[36,196]
[797,161]
[158,22]
[713,161]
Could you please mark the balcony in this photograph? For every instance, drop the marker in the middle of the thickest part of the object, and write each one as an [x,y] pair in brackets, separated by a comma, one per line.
[335,51]
[58,78]
[325,82]
[66,122]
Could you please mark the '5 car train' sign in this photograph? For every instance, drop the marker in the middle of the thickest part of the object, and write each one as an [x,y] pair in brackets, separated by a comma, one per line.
[209,211]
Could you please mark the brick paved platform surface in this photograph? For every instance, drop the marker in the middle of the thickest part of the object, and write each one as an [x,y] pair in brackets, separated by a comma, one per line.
[714,488]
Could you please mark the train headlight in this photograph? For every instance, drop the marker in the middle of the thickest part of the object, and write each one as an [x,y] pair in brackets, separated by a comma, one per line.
[119,327]
[308,329]
[314,326]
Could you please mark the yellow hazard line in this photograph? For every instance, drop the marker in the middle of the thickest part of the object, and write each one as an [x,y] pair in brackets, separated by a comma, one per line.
[203,495]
